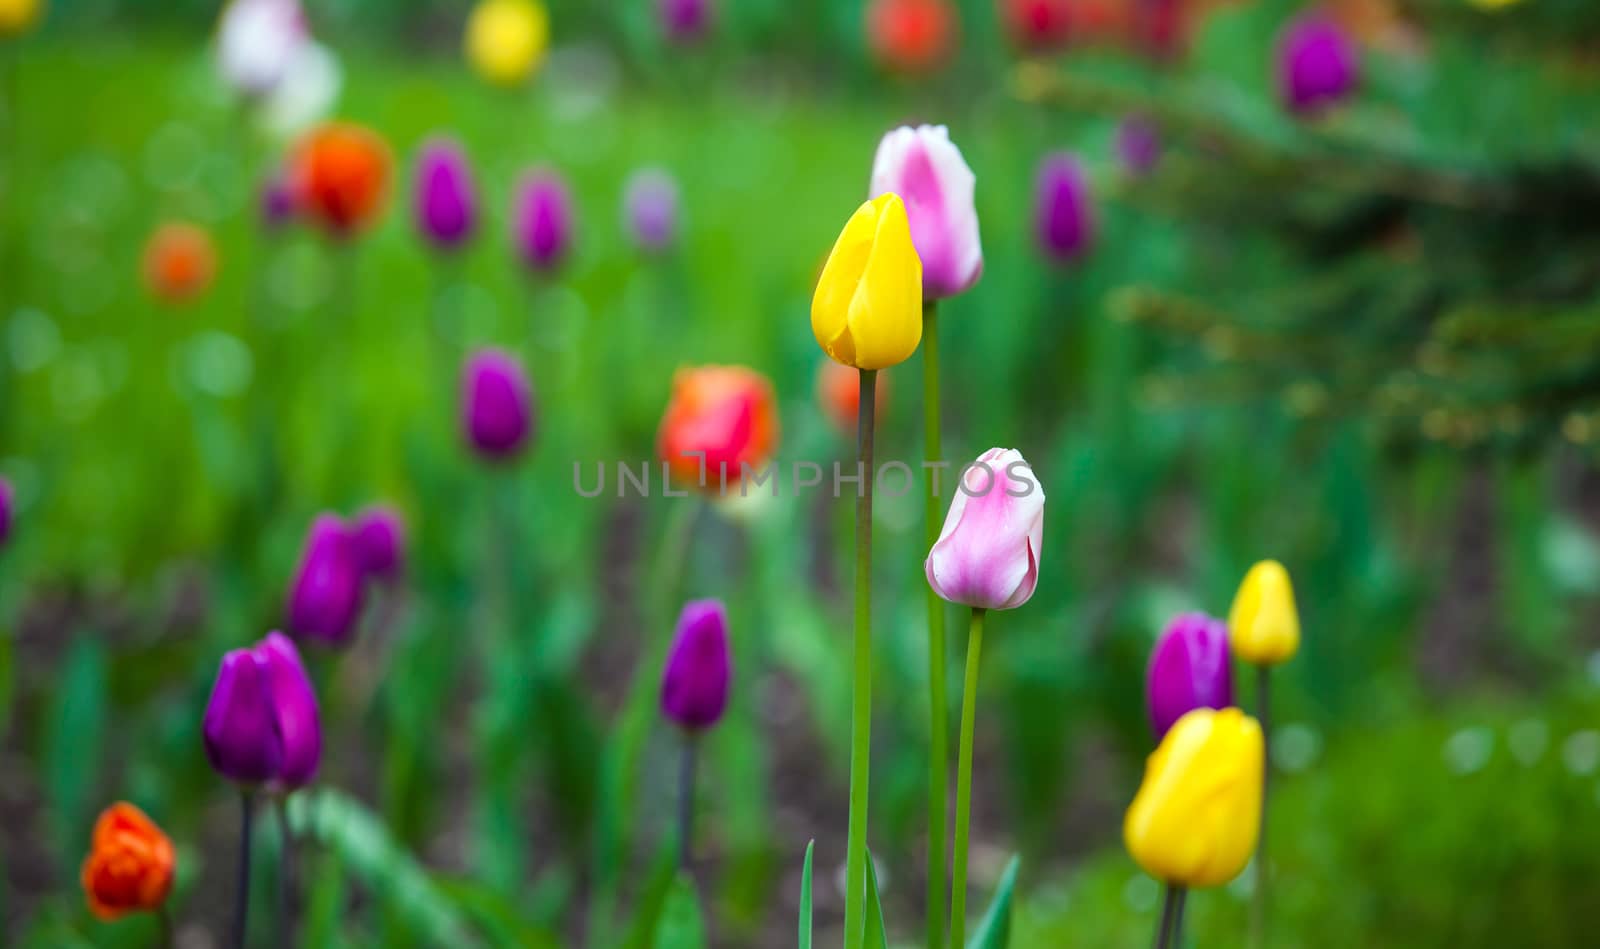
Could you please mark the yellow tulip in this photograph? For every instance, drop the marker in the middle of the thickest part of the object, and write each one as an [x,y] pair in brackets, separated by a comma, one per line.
[16,16]
[867,311]
[506,39]
[1494,4]
[1263,626]
[1195,819]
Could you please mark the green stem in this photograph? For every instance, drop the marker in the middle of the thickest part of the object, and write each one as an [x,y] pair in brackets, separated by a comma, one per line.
[938,731]
[241,901]
[1169,929]
[969,711]
[287,902]
[1258,903]
[686,769]
[861,706]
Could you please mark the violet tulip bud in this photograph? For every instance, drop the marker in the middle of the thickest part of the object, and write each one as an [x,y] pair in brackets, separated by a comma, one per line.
[379,539]
[927,171]
[987,555]
[277,202]
[1318,65]
[1190,668]
[326,597]
[694,685]
[542,220]
[8,501]
[497,404]
[446,201]
[261,724]
[684,21]
[650,209]
[1138,145]
[1063,208]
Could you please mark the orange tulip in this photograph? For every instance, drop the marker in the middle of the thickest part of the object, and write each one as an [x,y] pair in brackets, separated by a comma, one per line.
[179,261]
[130,864]
[839,393]
[729,414]
[911,36]
[341,177]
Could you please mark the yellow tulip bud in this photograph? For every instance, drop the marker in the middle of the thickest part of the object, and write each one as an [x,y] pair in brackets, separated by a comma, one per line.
[506,39]
[1263,626]
[867,311]
[16,16]
[1195,819]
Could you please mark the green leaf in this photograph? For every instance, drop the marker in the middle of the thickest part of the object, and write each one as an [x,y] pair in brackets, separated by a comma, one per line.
[994,932]
[74,741]
[805,898]
[680,926]
[877,934]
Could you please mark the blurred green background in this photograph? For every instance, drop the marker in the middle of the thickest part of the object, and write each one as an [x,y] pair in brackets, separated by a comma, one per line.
[1363,346]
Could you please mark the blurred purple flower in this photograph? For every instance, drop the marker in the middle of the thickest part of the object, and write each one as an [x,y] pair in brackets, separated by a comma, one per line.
[685,21]
[327,593]
[8,500]
[699,670]
[650,209]
[379,536]
[497,404]
[1064,208]
[1318,64]
[446,202]
[1190,668]
[542,220]
[277,202]
[261,722]
[1138,145]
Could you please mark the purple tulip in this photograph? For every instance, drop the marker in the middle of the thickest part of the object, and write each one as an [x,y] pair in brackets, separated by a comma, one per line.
[277,202]
[446,202]
[1138,145]
[987,554]
[261,723]
[7,505]
[326,597]
[1318,64]
[1064,209]
[699,670]
[650,209]
[1189,669]
[497,404]
[379,538]
[542,220]
[684,21]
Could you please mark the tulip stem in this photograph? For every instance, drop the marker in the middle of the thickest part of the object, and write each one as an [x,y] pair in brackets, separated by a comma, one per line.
[861,704]
[164,926]
[1169,930]
[241,904]
[969,711]
[938,731]
[686,772]
[1258,902]
[286,872]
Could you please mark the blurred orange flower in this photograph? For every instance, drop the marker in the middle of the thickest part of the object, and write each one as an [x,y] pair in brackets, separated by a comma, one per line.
[130,863]
[729,413]
[340,176]
[179,261]
[911,36]
[839,393]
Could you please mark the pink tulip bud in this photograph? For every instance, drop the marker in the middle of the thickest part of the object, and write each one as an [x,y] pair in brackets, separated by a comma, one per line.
[927,171]
[987,556]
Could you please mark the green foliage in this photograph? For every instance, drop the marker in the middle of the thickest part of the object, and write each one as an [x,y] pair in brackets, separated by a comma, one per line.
[680,926]
[994,930]
[877,934]
[805,898]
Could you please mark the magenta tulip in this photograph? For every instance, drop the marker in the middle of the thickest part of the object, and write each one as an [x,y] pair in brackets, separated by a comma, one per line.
[699,670]
[379,538]
[326,597]
[446,201]
[1063,208]
[497,404]
[1189,669]
[1317,66]
[542,220]
[261,723]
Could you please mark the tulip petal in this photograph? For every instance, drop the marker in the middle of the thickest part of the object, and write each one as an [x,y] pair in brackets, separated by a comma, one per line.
[885,314]
[987,553]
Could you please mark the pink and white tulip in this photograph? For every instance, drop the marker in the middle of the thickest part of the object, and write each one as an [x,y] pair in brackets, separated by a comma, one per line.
[257,43]
[987,556]
[927,171]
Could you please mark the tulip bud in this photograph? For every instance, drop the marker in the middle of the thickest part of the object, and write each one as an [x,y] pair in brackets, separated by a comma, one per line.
[240,730]
[497,404]
[839,394]
[867,309]
[446,206]
[506,39]
[130,864]
[694,685]
[1195,819]
[910,36]
[1263,624]
[1190,668]
[719,419]
[326,596]
[1318,65]
[684,21]
[542,220]
[8,504]
[1138,145]
[179,262]
[379,539]
[650,209]
[927,171]
[1064,209]
[341,177]
[294,708]
[987,555]
[257,41]
[1039,25]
